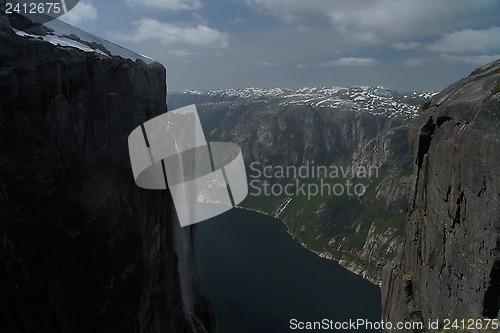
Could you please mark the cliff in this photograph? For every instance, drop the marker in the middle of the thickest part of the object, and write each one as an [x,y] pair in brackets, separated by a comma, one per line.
[449,267]
[82,248]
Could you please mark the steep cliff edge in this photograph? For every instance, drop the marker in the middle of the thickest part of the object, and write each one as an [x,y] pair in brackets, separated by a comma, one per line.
[82,249]
[449,267]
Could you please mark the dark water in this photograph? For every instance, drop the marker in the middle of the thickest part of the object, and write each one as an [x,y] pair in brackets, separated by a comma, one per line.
[258,278]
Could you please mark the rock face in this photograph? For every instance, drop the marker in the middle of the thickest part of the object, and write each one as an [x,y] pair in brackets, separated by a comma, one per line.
[275,129]
[450,264]
[82,249]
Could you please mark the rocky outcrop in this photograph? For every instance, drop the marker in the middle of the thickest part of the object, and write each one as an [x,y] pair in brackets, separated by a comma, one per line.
[82,249]
[449,266]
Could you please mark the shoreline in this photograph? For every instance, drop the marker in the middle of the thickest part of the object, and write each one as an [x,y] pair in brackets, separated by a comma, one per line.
[351,267]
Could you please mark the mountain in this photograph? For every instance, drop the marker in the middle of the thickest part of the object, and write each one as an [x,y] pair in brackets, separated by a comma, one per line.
[343,128]
[436,205]
[373,100]
[449,266]
[82,248]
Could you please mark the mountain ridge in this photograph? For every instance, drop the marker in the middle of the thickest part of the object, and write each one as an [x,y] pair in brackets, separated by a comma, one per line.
[371,99]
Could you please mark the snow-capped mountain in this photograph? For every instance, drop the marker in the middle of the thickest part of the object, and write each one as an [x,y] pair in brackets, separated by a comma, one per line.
[374,100]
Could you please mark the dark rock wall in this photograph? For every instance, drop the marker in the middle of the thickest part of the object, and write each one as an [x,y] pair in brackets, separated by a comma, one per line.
[449,266]
[82,249]
[292,135]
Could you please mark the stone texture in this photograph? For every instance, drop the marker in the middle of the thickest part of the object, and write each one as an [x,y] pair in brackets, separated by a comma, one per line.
[82,249]
[449,266]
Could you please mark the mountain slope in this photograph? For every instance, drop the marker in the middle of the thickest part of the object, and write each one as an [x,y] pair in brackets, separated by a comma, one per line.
[334,127]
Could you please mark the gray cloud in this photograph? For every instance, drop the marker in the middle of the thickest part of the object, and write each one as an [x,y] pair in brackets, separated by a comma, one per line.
[413,62]
[350,61]
[167,4]
[473,60]
[468,40]
[82,12]
[180,38]
[459,42]
[384,21]
[267,64]
[346,61]
[402,46]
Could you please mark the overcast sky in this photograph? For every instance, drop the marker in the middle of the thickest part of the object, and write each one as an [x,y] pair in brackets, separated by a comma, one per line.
[402,45]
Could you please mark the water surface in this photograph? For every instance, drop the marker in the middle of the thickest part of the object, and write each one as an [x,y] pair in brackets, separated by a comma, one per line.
[258,278]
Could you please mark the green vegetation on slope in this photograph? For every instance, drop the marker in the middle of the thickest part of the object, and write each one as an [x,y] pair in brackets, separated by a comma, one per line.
[337,226]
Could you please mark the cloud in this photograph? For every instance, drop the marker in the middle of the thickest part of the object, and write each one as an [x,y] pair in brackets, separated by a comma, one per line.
[468,40]
[402,46]
[181,53]
[167,4]
[413,62]
[473,60]
[268,64]
[350,61]
[281,9]
[459,42]
[174,36]
[82,12]
[346,61]
[303,28]
[238,20]
[384,21]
